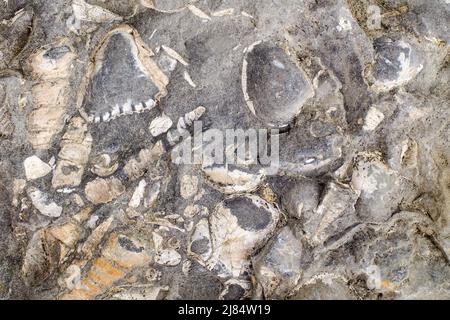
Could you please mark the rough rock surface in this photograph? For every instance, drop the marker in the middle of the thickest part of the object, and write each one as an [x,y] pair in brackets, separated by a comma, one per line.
[96,96]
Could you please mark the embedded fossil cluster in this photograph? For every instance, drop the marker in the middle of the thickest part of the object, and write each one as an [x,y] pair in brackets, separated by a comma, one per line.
[99,100]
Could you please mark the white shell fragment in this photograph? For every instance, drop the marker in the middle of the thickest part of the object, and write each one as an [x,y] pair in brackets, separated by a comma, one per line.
[373,118]
[168,257]
[160,125]
[199,13]
[41,202]
[175,55]
[35,168]
[138,194]
[231,179]
[88,12]
[239,226]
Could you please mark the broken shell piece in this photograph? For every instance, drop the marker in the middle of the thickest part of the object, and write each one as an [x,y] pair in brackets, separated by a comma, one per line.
[236,289]
[382,189]
[278,266]
[51,70]
[168,257]
[335,214]
[138,194]
[152,195]
[373,118]
[41,258]
[88,12]
[199,13]
[166,6]
[136,167]
[188,186]
[175,55]
[193,210]
[74,154]
[104,165]
[239,226]
[274,87]
[41,202]
[103,190]
[121,60]
[232,179]
[200,242]
[160,125]
[396,63]
[35,168]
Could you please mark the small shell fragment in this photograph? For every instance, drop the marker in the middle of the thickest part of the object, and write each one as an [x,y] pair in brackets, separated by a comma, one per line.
[199,13]
[175,55]
[35,168]
[160,125]
[41,202]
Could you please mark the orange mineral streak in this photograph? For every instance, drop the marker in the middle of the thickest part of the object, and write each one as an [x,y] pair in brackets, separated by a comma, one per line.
[113,265]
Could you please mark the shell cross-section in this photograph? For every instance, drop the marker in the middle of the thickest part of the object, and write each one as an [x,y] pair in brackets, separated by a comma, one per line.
[275,88]
[122,79]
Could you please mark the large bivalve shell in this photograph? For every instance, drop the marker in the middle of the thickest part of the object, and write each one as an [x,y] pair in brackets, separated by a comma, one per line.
[396,63]
[239,226]
[122,78]
[275,88]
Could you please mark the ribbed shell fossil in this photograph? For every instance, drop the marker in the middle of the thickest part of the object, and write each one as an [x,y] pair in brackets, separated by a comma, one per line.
[51,71]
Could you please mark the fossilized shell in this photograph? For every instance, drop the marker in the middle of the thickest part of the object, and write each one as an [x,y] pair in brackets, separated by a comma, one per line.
[334,214]
[120,255]
[15,36]
[41,202]
[138,194]
[382,189]
[168,257]
[6,124]
[236,289]
[278,266]
[148,292]
[233,179]
[184,122]
[160,125]
[396,63]
[136,167]
[88,12]
[41,258]
[104,165]
[103,190]
[373,118]
[73,156]
[188,186]
[51,71]
[35,168]
[200,242]
[275,88]
[166,6]
[239,226]
[123,71]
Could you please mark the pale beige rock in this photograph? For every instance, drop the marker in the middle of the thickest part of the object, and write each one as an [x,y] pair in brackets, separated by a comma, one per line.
[35,168]
[168,257]
[103,190]
[160,125]
[188,186]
